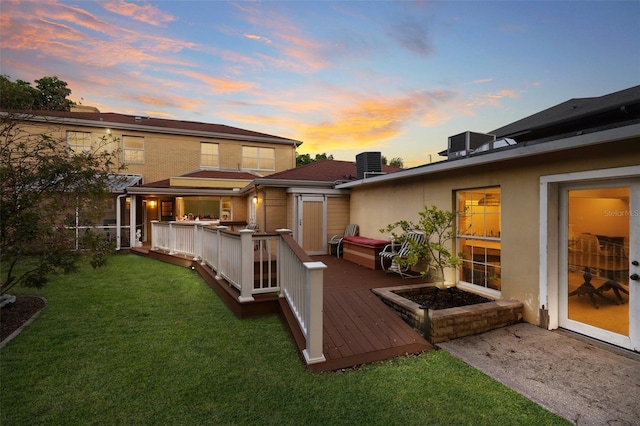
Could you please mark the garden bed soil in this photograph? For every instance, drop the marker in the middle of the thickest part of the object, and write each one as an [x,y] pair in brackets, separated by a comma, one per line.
[443,315]
[435,299]
[14,315]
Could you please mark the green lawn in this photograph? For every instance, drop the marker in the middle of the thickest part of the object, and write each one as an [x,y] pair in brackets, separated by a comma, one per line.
[141,342]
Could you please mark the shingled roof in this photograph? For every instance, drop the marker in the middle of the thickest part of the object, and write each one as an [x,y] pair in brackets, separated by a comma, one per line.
[576,114]
[325,171]
[227,175]
[151,124]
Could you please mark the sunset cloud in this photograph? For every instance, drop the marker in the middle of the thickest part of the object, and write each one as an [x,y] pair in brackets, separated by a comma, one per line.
[399,77]
[216,84]
[257,38]
[371,121]
[146,13]
[492,99]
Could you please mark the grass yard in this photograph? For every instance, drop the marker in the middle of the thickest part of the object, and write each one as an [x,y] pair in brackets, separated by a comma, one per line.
[141,342]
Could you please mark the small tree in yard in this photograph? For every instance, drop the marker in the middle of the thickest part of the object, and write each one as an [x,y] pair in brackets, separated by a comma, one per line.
[437,227]
[44,182]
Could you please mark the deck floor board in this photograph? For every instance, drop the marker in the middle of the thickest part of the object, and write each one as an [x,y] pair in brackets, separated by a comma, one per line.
[358,327]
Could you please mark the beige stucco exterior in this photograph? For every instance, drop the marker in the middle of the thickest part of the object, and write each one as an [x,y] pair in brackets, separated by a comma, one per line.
[374,206]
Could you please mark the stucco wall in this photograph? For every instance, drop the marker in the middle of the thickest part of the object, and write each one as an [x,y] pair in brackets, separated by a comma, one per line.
[374,206]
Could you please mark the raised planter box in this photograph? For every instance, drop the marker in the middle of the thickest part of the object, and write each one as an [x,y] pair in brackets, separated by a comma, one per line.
[363,251]
[447,324]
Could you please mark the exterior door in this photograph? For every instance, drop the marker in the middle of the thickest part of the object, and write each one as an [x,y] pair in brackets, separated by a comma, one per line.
[599,282]
[311,224]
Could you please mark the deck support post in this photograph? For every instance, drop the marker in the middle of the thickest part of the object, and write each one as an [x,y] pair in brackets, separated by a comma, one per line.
[314,303]
[246,261]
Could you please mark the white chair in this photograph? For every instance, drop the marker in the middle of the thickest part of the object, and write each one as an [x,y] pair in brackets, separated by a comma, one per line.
[389,254]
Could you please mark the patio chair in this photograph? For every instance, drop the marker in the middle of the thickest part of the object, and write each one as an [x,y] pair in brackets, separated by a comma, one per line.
[336,241]
[399,250]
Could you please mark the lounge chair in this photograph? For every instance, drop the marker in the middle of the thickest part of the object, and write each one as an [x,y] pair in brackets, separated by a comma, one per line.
[399,250]
[336,241]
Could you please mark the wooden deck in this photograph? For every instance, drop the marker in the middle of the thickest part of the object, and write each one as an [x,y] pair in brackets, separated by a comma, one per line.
[358,327]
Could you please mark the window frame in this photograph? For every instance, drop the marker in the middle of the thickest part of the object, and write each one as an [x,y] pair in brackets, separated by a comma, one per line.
[260,158]
[204,155]
[74,147]
[126,150]
[477,238]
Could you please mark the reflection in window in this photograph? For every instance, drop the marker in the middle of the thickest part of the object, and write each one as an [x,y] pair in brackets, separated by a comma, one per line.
[478,236]
[133,148]
[257,158]
[79,142]
[598,232]
[209,155]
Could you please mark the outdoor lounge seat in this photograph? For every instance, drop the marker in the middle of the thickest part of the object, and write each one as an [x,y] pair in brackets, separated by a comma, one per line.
[336,241]
[389,253]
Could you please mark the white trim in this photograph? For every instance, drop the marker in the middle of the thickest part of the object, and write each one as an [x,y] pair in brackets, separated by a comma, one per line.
[550,234]
[316,191]
[510,153]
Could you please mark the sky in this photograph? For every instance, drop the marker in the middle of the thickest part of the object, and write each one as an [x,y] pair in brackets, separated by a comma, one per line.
[343,77]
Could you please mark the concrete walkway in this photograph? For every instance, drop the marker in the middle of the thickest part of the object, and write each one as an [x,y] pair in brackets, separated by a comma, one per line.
[586,382]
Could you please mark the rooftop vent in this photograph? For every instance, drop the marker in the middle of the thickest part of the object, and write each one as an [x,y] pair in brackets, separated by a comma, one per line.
[465,143]
[368,164]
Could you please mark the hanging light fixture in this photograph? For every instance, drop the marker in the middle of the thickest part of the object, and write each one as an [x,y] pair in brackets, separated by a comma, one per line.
[490,200]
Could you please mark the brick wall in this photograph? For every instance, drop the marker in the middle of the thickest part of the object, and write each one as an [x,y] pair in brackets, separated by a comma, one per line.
[447,324]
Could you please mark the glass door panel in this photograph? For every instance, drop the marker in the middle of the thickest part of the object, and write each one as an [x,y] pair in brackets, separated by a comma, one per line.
[596,292]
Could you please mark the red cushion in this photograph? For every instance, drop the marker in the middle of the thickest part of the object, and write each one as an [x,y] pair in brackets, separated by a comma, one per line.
[364,241]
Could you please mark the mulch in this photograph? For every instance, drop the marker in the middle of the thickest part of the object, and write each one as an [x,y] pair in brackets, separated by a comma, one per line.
[436,299]
[14,315]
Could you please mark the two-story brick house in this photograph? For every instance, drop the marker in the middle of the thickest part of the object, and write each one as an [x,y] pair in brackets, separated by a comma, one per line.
[174,169]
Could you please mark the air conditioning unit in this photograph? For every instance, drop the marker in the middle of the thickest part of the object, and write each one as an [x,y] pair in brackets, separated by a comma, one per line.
[368,164]
[465,143]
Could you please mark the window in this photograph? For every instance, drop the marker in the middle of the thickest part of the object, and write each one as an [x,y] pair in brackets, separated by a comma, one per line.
[255,158]
[133,148]
[478,236]
[79,142]
[209,155]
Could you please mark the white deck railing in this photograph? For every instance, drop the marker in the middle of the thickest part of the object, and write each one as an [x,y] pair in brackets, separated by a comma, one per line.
[254,264]
[301,281]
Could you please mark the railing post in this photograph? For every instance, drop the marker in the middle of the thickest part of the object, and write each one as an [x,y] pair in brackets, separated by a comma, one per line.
[314,294]
[197,242]
[219,230]
[154,233]
[246,254]
[172,238]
